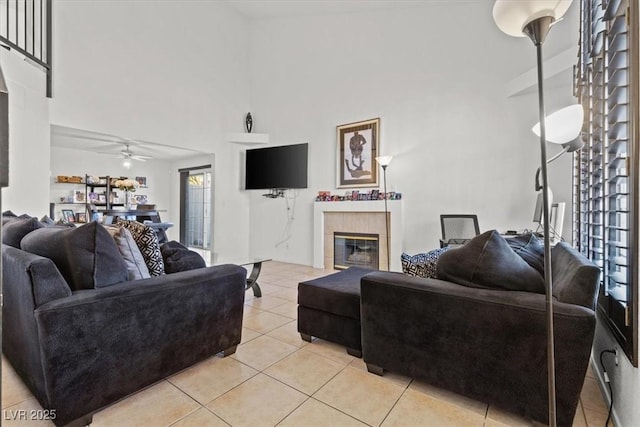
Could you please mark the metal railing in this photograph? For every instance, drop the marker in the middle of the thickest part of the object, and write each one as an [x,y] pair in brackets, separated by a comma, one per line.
[25,26]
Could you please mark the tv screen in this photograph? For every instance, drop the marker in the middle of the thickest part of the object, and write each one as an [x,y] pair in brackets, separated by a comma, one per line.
[276,167]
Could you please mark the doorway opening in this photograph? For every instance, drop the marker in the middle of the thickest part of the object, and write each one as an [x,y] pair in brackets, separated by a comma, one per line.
[196,207]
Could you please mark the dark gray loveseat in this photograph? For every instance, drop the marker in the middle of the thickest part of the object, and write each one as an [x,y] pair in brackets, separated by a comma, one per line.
[487,344]
[79,351]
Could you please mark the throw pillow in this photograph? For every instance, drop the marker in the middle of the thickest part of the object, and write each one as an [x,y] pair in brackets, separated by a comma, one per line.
[422,264]
[147,242]
[86,256]
[130,252]
[178,257]
[13,231]
[9,213]
[487,261]
[530,249]
[47,221]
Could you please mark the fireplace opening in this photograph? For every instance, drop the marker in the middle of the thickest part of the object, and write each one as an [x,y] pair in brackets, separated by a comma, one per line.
[355,249]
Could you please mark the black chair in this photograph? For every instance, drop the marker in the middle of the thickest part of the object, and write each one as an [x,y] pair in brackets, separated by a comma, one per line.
[458,229]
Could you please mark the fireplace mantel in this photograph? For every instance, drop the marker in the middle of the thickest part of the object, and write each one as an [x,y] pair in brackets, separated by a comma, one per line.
[396,226]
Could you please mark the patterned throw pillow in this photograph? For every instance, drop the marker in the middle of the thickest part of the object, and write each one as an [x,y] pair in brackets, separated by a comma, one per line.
[147,242]
[423,264]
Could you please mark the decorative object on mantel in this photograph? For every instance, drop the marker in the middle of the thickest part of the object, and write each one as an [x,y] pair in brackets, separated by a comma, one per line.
[357,147]
[248,122]
[534,20]
[384,161]
[356,195]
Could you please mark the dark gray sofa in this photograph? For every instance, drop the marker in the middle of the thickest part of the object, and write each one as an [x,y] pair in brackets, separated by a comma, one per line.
[81,351]
[487,344]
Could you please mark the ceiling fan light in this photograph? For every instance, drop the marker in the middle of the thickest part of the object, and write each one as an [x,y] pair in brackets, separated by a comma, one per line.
[127,163]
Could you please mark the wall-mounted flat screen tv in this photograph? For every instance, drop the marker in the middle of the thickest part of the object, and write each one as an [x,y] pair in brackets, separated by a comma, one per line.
[277,167]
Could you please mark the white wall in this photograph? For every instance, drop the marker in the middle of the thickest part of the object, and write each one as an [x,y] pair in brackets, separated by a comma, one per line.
[459,144]
[174,73]
[28,190]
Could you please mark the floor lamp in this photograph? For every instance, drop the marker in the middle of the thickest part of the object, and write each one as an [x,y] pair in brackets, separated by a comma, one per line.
[533,18]
[384,162]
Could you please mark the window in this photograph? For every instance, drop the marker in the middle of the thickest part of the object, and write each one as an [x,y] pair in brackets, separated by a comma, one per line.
[604,171]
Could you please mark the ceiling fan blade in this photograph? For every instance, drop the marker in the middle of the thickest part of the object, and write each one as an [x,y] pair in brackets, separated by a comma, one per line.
[110,154]
[140,158]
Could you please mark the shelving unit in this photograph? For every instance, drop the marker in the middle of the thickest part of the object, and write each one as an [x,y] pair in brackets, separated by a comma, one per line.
[67,195]
[103,199]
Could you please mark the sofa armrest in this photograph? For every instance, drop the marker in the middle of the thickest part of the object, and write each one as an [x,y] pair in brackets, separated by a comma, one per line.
[119,339]
[487,344]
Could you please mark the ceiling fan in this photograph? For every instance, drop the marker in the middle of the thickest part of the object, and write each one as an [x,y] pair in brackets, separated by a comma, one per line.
[127,154]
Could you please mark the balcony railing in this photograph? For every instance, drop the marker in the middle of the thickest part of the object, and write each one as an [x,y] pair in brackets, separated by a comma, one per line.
[25,26]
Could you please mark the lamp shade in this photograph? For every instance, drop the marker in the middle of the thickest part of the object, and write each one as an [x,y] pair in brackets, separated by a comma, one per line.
[563,125]
[384,160]
[511,16]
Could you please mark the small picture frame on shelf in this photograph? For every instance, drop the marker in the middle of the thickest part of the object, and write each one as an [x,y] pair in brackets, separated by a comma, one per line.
[68,215]
[141,199]
[81,217]
[79,196]
[142,181]
[102,198]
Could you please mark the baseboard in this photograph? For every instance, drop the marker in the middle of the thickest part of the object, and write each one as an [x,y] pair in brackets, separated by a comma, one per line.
[604,390]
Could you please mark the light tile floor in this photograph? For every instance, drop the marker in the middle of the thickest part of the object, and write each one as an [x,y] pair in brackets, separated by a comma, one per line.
[275,378]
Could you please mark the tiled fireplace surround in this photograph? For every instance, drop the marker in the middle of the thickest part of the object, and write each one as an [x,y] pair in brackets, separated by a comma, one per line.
[357,217]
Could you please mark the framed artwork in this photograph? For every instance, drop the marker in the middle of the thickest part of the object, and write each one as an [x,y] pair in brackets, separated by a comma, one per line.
[68,215]
[141,199]
[142,181]
[79,196]
[358,146]
[81,217]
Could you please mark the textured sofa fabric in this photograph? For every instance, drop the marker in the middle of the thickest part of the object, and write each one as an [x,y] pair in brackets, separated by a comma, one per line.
[487,344]
[81,351]
[329,308]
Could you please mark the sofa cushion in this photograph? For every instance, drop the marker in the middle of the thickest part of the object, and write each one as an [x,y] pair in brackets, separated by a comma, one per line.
[422,264]
[178,257]
[530,249]
[487,261]
[130,252]
[13,231]
[86,256]
[147,242]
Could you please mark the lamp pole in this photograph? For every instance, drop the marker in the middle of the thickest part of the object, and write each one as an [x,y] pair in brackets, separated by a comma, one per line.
[384,162]
[537,31]
[386,215]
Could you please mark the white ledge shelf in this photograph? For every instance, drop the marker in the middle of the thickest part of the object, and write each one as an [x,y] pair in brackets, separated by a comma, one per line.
[245,138]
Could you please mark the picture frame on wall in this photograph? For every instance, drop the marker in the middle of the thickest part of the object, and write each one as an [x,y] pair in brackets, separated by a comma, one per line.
[68,215]
[358,146]
[79,196]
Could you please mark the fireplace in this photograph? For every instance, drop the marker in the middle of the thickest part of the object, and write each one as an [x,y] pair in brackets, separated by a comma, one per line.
[355,249]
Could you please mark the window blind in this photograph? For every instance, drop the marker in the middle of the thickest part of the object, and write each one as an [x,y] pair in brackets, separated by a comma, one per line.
[602,199]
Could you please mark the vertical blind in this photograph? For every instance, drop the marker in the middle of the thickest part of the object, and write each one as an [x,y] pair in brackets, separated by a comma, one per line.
[602,212]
